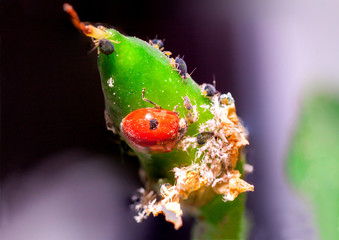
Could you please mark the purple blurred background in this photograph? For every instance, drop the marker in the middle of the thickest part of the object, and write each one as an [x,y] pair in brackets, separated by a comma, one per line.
[62,176]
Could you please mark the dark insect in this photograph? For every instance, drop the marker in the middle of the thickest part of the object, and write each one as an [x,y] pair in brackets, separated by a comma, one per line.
[226,99]
[106,46]
[181,66]
[157,43]
[203,137]
[187,103]
[209,90]
[153,129]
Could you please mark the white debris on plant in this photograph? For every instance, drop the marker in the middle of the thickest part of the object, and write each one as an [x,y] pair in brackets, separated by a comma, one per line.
[188,179]
[110,82]
[144,201]
[213,166]
[195,113]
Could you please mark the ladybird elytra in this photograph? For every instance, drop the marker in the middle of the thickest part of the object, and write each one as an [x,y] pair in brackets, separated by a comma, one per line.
[149,127]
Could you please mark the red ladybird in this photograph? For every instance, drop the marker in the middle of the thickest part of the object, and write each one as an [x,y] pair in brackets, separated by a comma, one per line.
[153,129]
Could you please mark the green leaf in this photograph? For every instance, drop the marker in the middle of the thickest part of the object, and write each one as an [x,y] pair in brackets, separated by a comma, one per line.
[137,65]
[313,164]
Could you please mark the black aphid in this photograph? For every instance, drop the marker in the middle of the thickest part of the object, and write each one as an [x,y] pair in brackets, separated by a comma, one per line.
[181,66]
[203,137]
[158,43]
[106,46]
[209,90]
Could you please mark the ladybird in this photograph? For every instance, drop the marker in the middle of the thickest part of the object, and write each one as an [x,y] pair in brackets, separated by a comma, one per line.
[181,66]
[153,129]
[106,46]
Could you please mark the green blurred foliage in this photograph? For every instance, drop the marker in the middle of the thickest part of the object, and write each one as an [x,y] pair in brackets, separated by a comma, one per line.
[313,164]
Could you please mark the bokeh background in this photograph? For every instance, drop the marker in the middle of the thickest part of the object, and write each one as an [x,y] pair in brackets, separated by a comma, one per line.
[62,175]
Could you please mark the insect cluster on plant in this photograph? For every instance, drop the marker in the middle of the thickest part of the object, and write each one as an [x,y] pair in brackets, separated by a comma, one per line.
[210,132]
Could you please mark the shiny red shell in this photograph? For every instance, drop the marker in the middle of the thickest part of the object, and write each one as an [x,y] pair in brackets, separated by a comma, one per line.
[151,129]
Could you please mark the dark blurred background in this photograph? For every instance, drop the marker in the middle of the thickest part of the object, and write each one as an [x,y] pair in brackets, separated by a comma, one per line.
[62,175]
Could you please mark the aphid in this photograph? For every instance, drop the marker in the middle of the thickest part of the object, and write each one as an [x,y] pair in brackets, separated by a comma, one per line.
[189,107]
[208,90]
[106,46]
[157,43]
[203,137]
[98,34]
[187,103]
[181,67]
[153,129]
[226,99]
[190,117]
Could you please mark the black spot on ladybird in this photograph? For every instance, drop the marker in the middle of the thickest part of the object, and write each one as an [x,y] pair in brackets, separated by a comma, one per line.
[153,124]
[181,66]
[106,46]
[203,137]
